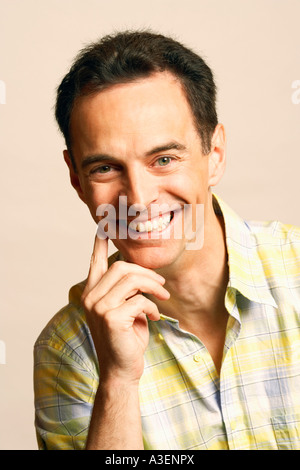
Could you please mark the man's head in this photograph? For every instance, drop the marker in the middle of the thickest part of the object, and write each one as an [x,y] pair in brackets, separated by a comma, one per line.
[138,139]
[129,56]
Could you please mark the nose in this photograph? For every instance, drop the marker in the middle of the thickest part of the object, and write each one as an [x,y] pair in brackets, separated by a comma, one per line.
[140,189]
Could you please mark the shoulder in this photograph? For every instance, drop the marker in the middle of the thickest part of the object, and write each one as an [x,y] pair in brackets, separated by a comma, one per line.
[66,334]
[275,236]
[63,327]
[278,247]
[274,230]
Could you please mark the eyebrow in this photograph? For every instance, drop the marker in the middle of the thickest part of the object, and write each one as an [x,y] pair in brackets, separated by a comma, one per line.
[165,147]
[90,159]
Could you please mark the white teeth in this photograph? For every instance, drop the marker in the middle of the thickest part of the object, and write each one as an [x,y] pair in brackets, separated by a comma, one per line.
[140,227]
[148,226]
[154,224]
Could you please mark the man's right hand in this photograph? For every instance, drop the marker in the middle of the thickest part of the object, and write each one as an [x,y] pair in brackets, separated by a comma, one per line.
[116,312]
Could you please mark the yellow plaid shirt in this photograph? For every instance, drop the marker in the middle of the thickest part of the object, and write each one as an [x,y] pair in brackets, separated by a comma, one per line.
[185,405]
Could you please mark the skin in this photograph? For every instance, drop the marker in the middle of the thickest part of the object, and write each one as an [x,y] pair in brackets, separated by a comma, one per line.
[131,125]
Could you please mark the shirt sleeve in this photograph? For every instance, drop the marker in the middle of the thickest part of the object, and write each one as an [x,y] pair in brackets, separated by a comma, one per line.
[64,389]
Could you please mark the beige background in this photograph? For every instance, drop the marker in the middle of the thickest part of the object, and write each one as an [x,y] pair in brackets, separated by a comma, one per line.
[46,232]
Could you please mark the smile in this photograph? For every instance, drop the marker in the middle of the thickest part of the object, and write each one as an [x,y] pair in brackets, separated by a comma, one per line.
[157,224]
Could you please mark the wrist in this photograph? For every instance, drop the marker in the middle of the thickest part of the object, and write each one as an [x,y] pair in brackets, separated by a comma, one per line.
[116,383]
[118,377]
[116,402]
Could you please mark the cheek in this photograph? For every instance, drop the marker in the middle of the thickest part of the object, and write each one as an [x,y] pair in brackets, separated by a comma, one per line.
[189,185]
[97,195]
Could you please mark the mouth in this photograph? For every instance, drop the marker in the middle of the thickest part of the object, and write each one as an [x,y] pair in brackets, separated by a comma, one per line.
[157,224]
[155,228]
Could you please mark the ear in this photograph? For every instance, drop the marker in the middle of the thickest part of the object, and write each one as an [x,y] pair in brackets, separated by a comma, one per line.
[74,178]
[217,156]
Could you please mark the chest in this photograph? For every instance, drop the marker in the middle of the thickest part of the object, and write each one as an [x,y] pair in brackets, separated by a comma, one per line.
[211,334]
[253,404]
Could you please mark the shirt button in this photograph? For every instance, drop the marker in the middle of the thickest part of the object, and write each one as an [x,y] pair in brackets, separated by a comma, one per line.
[197,357]
[160,337]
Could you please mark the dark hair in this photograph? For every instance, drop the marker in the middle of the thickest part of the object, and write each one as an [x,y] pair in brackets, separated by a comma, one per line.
[130,55]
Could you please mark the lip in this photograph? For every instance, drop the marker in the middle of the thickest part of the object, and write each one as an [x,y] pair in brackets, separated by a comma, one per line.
[155,211]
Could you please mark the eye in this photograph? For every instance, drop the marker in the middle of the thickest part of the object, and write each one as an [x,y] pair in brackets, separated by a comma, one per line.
[164,161]
[101,169]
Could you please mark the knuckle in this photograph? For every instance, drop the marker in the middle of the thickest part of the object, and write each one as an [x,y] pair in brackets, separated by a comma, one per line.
[139,300]
[131,278]
[118,266]
[108,320]
[93,259]
[85,300]
[89,303]
[101,308]
[126,277]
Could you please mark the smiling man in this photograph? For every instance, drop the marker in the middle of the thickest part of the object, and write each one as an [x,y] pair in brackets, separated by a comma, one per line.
[165,346]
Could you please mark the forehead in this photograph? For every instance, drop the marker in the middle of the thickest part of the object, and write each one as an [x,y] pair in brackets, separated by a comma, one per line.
[143,112]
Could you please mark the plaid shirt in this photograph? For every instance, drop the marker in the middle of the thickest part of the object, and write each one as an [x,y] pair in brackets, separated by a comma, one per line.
[185,405]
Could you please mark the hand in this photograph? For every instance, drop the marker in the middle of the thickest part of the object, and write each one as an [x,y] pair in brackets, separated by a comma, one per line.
[117,312]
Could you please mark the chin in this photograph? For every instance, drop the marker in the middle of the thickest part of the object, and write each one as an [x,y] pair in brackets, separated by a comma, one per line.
[152,256]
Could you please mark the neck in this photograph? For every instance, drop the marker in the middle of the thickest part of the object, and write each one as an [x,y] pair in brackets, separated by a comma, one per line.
[198,282]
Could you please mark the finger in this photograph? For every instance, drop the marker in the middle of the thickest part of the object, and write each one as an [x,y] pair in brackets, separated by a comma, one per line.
[126,314]
[121,270]
[139,305]
[98,263]
[127,287]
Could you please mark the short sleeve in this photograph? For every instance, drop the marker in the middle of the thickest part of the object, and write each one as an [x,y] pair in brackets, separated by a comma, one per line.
[64,390]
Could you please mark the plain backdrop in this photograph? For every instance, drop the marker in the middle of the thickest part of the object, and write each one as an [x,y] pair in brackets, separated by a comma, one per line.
[46,231]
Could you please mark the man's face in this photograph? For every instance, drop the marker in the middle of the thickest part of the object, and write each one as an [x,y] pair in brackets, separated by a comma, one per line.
[138,141]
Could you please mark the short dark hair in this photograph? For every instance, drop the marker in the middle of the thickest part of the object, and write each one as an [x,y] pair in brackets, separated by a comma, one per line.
[130,55]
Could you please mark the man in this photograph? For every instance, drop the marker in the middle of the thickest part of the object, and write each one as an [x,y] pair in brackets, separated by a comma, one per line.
[164,346]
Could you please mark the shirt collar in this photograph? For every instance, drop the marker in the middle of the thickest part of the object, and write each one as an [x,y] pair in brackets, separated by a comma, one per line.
[246,273]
